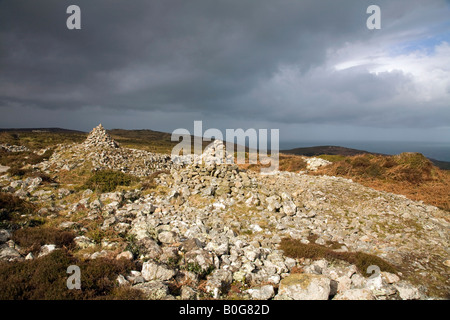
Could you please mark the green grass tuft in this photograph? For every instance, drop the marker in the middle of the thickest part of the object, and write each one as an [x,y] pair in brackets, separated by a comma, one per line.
[108,180]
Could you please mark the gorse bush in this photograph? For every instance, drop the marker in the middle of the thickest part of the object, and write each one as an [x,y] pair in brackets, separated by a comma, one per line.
[108,180]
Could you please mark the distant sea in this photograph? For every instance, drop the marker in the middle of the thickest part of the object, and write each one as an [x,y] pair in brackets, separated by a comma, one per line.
[435,150]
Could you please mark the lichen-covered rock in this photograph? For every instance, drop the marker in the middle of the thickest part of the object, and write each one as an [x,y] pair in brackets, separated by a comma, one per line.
[155,271]
[153,290]
[355,294]
[261,293]
[304,287]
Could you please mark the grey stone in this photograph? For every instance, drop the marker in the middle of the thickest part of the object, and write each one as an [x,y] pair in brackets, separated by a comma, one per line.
[154,271]
[46,249]
[167,237]
[262,293]
[205,260]
[355,294]
[305,287]
[406,291]
[153,290]
[9,254]
[188,293]
[83,242]
[5,235]
[125,255]
[149,248]
[218,282]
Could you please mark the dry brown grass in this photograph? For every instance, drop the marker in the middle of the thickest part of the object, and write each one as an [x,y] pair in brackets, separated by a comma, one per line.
[45,278]
[295,249]
[409,174]
[32,239]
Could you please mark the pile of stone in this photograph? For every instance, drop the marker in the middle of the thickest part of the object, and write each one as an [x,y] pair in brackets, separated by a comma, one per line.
[313,164]
[98,137]
[13,148]
[209,180]
[104,153]
[214,154]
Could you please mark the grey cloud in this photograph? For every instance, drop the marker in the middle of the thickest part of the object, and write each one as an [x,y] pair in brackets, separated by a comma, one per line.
[209,58]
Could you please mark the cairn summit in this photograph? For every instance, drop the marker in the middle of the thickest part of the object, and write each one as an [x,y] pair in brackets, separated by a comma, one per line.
[98,137]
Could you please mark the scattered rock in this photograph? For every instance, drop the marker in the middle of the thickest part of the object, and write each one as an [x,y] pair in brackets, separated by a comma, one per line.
[9,254]
[125,255]
[46,249]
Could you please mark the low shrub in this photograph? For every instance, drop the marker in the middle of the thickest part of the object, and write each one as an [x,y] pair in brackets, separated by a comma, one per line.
[98,276]
[17,171]
[108,180]
[295,249]
[46,278]
[34,238]
[11,207]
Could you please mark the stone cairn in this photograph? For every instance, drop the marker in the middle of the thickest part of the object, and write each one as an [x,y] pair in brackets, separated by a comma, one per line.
[98,137]
[214,154]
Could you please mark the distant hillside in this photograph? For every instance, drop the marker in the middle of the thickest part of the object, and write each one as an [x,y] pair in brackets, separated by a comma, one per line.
[154,141]
[53,130]
[330,150]
[37,138]
[342,151]
[149,140]
[444,165]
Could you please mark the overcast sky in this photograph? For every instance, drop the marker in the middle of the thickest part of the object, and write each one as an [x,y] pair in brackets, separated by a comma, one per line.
[309,68]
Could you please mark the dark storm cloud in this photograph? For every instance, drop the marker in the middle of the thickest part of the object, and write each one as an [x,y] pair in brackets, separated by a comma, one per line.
[216,57]
[177,52]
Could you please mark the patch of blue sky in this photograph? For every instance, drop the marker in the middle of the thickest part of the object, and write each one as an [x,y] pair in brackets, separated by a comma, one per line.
[426,43]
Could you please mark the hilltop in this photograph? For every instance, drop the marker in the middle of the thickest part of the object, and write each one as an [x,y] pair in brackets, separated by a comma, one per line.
[346,152]
[320,150]
[143,227]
